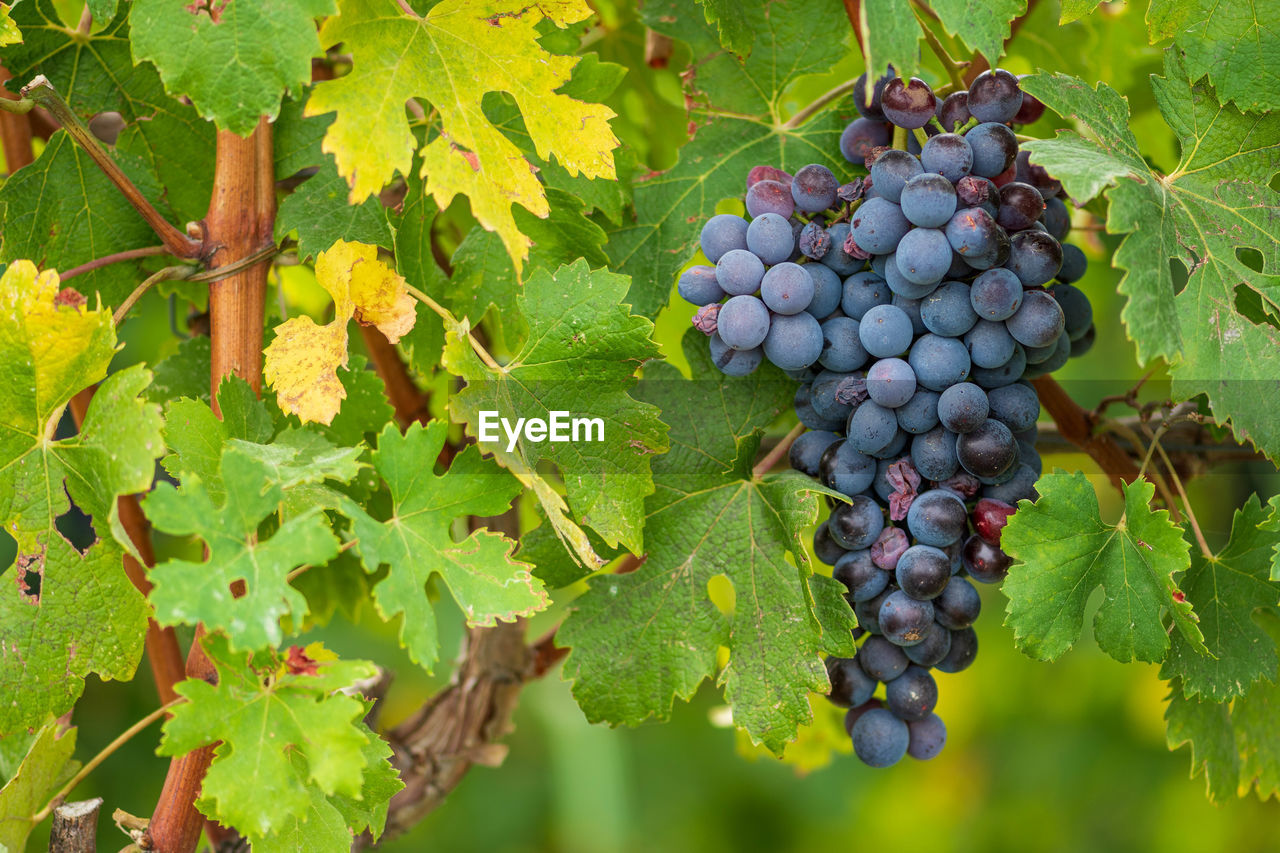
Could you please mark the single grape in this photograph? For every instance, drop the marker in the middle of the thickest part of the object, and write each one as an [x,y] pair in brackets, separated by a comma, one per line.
[769,236]
[744,322]
[904,620]
[827,290]
[807,450]
[985,562]
[901,285]
[1016,406]
[767,173]
[864,578]
[814,188]
[933,648]
[958,606]
[1038,322]
[850,686]
[938,362]
[1035,257]
[923,257]
[872,428]
[1084,344]
[990,517]
[1074,264]
[723,232]
[698,285]
[888,548]
[976,237]
[963,407]
[826,549]
[994,149]
[934,454]
[949,155]
[928,200]
[792,341]
[770,197]
[909,103]
[989,345]
[786,288]
[733,362]
[878,225]
[863,291]
[856,524]
[1056,219]
[1030,110]
[868,104]
[988,451]
[926,737]
[890,383]
[842,351]
[860,136]
[1021,205]
[844,469]
[920,413]
[912,695]
[976,191]
[890,173]
[881,659]
[1076,311]
[880,739]
[995,96]
[937,517]
[738,272]
[885,331]
[837,258]
[953,112]
[947,311]
[923,571]
[964,648]
[813,241]
[996,294]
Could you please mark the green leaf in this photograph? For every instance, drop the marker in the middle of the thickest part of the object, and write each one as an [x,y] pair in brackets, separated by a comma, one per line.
[1064,550]
[185,373]
[283,736]
[552,563]
[235,58]
[452,56]
[1236,44]
[195,435]
[381,782]
[641,639]
[1225,592]
[1213,204]
[1074,10]
[581,356]
[484,579]
[890,36]
[1272,525]
[731,22]
[192,593]
[983,25]
[9,32]
[416,261]
[318,211]
[46,765]
[735,106]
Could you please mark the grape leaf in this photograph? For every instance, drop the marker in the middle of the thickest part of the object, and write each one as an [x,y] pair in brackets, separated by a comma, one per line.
[416,261]
[1215,203]
[196,436]
[162,136]
[191,593]
[1226,591]
[452,56]
[983,25]
[283,732]
[1272,525]
[738,125]
[302,361]
[1074,10]
[890,36]
[233,58]
[184,373]
[1236,44]
[731,22]
[318,211]
[46,765]
[581,356]
[643,638]
[1234,743]
[9,32]
[487,583]
[1064,550]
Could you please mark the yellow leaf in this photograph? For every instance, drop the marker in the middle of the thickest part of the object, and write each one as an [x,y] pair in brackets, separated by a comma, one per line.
[302,362]
[452,57]
[9,32]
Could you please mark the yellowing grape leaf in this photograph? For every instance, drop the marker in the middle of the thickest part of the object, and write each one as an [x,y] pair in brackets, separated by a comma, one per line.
[289,740]
[9,32]
[302,362]
[416,542]
[452,56]
[45,765]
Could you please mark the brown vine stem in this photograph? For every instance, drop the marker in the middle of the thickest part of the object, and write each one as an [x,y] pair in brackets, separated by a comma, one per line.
[115,258]
[853,9]
[41,91]
[410,402]
[15,130]
[765,465]
[1075,426]
[166,274]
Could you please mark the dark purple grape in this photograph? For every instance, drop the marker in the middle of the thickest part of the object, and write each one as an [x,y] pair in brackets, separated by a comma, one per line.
[864,579]
[850,685]
[1034,257]
[926,737]
[1038,322]
[871,109]
[860,136]
[723,233]
[948,155]
[964,648]
[856,525]
[994,149]
[990,517]
[879,738]
[975,236]
[963,407]
[1056,219]
[988,451]
[922,572]
[995,96]
[1030,110]
[958,606]
[1020,206]
[806,452]
[938,517]
[933,648]
[928,200]
[768,173]
[890,173]
[908,104]
[1036,176]
[787,289]
[743,322]
[867,613]
[995,294]
[770,196]
[844,469]
[904,620]
[1076,310]
[814,188]
[699,286]
[1073,266]
[881,659]
[934,453]
[1084,344]
[975,191]
[1016,406]
[953,112]
[985,562]
[825,548]
[733,362]
[912,695]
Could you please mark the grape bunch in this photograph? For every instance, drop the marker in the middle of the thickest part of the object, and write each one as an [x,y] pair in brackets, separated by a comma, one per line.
[912,303]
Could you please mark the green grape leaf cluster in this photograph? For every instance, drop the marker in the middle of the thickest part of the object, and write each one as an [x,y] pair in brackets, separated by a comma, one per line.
[1063,550]
[415,541]
[581,354]
[1215,204]
[283,726]
[640,640]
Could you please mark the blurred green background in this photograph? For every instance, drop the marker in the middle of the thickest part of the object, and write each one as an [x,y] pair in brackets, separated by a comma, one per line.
[1068,756]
